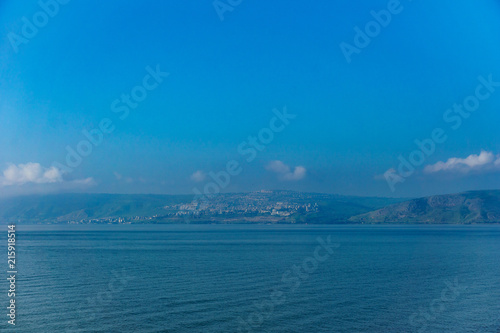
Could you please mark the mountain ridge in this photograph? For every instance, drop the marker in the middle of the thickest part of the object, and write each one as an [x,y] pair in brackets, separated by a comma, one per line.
[264,206]
[260,206]
[479,206]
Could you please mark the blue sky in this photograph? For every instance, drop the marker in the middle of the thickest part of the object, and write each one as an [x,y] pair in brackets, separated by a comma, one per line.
[353,119]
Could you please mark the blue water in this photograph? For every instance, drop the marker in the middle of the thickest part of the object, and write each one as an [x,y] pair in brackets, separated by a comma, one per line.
[216,278]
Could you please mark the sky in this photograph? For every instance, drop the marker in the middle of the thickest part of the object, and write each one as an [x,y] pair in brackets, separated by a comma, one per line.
[177,97]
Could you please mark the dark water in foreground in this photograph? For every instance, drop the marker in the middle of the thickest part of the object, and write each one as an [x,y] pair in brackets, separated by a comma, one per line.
[216,278]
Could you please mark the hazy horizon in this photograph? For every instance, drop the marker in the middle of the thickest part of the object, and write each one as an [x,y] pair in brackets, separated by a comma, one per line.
[254,191]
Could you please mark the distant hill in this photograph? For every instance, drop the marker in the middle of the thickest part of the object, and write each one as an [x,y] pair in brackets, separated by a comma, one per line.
[252,207]
[76,207]
[462,208]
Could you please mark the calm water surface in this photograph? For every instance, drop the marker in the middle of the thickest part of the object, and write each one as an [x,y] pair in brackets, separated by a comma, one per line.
[216,278]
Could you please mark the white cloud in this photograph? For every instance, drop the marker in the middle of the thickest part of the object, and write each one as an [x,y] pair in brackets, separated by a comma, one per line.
[30,173]
[484,161]
[128,179]
[198,176]
[85,182]
[284,171]
[34,173]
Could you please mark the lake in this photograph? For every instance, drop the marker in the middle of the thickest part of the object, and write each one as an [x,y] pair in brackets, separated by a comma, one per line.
[255,278]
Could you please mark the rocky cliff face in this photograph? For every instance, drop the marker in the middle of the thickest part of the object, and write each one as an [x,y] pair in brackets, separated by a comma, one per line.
[461,208]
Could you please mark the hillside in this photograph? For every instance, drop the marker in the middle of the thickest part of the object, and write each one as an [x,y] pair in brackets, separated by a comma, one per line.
[76,207]
[252,207]
[461,208]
